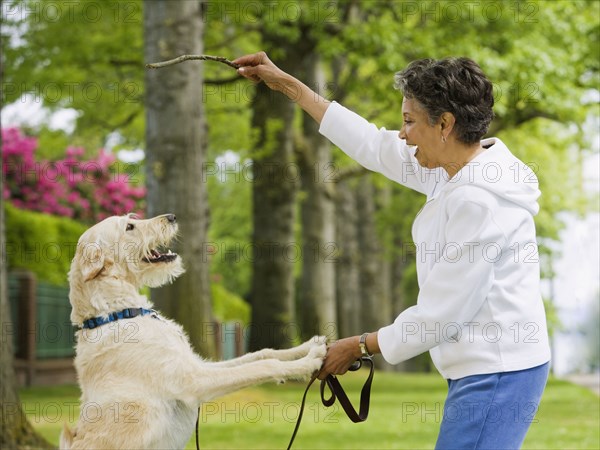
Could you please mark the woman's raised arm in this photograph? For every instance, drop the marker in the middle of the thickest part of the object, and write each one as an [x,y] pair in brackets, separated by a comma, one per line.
[258,67]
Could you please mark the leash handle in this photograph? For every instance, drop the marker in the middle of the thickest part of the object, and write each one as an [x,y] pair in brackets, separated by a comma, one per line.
[337,391]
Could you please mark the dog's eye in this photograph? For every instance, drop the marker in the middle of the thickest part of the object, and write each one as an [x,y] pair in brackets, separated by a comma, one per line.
[129,227]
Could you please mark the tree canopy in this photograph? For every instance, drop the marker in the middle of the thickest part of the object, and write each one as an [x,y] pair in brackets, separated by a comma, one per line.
[542,57]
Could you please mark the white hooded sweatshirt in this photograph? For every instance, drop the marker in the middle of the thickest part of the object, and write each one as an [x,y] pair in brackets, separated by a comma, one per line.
[479,308]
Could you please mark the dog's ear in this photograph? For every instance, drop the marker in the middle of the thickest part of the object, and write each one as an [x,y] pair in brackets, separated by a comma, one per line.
[91,260]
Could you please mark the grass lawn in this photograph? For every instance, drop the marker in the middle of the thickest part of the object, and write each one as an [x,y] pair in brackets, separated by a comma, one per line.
[406,410]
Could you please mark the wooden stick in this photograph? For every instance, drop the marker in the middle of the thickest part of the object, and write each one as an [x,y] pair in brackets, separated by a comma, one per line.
[182,58]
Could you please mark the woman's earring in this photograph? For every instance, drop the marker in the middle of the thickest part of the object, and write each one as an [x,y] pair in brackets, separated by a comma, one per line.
[443,139]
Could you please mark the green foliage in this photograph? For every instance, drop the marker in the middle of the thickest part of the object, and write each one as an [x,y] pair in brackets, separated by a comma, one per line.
[41,243]
[230,199]
[227,306]
[84,55]
[51,143]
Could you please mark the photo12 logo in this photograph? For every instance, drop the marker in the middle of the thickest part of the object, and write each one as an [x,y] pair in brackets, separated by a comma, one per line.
[468,11]
[72,92]
[72,11]
[271,11]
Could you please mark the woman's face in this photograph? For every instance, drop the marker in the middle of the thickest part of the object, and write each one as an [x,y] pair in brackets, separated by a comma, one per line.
[417,131]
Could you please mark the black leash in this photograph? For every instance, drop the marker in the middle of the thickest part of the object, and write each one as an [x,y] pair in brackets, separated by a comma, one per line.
[198,429]
[337,391]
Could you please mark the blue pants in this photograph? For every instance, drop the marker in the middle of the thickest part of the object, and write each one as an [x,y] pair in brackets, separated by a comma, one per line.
[491,411]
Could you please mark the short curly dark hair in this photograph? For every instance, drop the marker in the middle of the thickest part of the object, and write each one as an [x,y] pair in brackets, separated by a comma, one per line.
[455,85]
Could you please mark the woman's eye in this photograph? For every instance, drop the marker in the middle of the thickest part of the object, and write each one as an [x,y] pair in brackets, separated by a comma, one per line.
[129,227]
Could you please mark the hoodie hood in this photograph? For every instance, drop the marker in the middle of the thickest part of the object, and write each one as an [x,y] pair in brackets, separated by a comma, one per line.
[498,171]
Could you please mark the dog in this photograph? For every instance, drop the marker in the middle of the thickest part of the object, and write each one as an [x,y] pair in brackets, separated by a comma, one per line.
[141,382]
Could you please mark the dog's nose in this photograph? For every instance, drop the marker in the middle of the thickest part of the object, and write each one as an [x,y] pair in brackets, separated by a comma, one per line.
[171,218]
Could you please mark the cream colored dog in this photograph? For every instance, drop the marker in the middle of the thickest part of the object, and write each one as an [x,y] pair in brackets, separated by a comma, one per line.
[141,382]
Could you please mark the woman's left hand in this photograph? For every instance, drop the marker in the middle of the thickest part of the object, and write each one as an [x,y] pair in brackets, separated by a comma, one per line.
[340,356]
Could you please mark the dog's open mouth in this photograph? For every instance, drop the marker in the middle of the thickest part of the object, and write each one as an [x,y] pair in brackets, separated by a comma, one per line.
[157,257]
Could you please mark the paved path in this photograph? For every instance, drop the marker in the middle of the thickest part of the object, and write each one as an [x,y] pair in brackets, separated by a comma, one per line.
[588,380]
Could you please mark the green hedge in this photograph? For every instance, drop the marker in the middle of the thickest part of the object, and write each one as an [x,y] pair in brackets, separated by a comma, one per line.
[41,243]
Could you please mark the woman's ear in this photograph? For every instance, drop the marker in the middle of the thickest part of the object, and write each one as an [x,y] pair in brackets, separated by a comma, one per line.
[447,121]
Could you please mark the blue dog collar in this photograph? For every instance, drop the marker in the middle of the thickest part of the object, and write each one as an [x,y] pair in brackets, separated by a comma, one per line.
[128,313]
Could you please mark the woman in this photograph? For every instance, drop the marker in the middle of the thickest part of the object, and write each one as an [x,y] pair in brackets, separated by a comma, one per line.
[479,311]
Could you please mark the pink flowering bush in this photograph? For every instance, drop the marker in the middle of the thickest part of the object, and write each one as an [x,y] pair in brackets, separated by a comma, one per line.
[88,191]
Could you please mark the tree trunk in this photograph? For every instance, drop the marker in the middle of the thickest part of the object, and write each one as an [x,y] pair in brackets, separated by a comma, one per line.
[347,273]
[176,146]
[382,198]
[371,290]
[16,432]
[274,210]
[274,191]
[375,281]
[405,289]
[317,290]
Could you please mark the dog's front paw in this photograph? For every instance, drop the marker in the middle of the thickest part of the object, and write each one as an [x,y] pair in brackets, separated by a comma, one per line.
[310,363]
[315,366]
[315,358]
[318,351]
[315,341]
[318,341]
[302,350]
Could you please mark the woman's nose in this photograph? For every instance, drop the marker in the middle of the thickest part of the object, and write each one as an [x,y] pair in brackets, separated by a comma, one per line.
[402,133]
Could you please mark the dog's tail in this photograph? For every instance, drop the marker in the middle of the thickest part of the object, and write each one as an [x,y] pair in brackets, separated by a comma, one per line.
[66,438]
